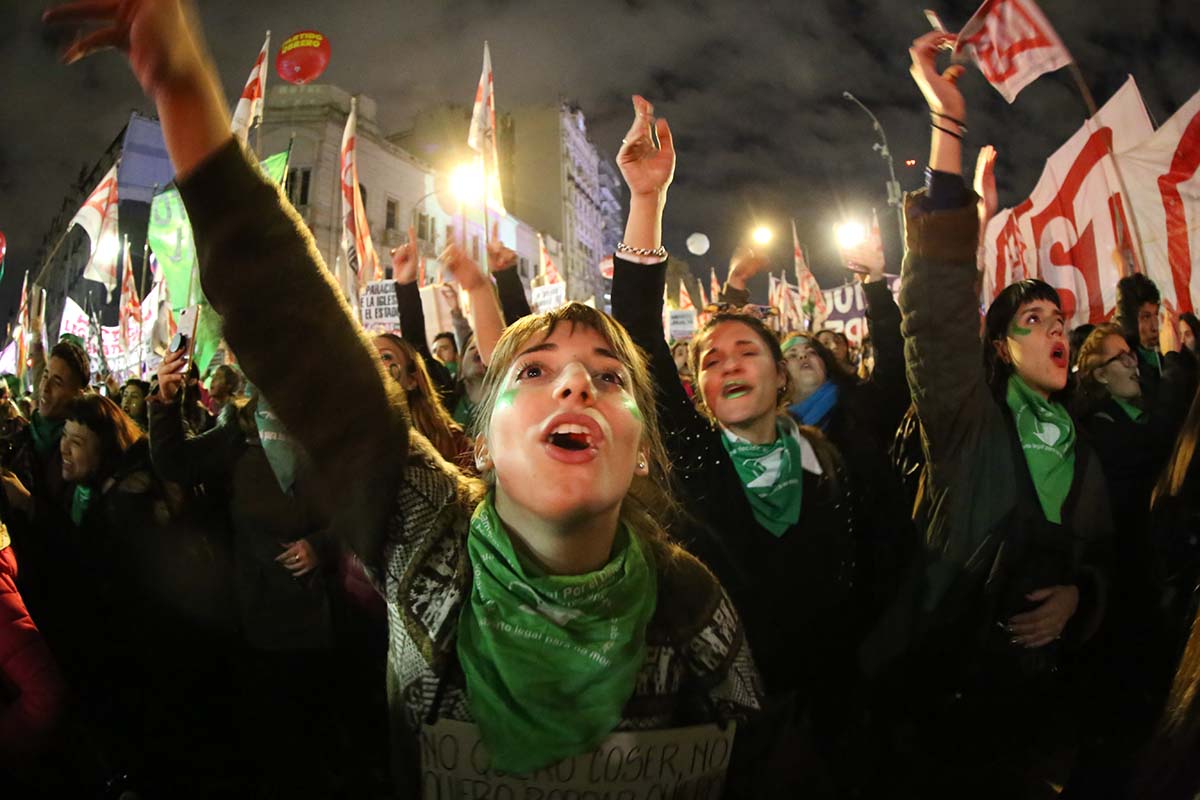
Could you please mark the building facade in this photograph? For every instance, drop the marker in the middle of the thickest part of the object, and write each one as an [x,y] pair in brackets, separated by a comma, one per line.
[399,188]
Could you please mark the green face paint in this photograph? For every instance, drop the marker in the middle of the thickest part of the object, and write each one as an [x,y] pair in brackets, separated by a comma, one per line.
[1017,330]
[632,405]
[505,400]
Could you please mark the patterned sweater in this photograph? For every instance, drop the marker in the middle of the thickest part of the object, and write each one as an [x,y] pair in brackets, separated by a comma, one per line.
[399,504]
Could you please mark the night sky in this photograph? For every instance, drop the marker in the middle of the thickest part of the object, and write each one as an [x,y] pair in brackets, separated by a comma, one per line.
[753,91]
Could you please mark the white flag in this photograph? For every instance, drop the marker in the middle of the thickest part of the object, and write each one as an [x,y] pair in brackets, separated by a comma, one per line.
[98,218]
[248,112]
[482,136]
[1013,44]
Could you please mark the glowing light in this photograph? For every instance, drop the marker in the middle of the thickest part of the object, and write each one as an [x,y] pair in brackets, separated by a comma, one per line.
[108,249]
[850,235]
[912,162]
[761,235]
[466,183]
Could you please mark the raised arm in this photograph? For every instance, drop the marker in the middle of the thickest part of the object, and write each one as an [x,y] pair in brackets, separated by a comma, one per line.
[502,262]
[412,313]
[485,309]
[260,268]
[937,295]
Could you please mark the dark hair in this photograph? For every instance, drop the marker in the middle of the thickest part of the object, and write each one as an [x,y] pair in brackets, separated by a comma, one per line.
[1192,322]
[838,334]
[75,358]
[1133,292]
[766,334]
[116,431]
[1076,338]
[834,370]
[139,383]
[447,335]
[1000,315]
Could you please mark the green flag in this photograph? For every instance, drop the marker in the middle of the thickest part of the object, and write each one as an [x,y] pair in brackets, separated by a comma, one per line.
[170,237]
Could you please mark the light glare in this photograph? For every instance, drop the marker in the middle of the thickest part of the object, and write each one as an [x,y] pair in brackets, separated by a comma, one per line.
[850,235]
[761,235]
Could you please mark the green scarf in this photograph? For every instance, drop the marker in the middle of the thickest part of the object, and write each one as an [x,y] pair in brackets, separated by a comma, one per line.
[452,368]
[80,500]
[1150,356]
[550,660]
[1136,414]
[46,433]
[1047,435]
[771,475]
[464,411]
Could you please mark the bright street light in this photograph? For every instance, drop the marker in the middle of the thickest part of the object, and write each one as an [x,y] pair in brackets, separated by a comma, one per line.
[466,183]
[850,235]
[761,235]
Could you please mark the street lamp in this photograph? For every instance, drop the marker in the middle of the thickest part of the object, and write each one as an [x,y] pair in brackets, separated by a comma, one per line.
[894,194]
[761,235]
[850,235]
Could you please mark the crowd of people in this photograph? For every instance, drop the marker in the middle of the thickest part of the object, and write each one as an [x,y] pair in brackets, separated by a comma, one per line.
[961,564]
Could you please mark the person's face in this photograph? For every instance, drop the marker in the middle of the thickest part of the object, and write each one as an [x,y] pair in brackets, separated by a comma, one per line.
[80,448]
[4,395]
[1119,370]
[1186,337]
[806,368]
[395,361]
[59,387]
[1148,325]
[565,437]
[472,366]
[133,402]
[835,344]
[738,377]
[444,351]
[1036,346]
[680,353]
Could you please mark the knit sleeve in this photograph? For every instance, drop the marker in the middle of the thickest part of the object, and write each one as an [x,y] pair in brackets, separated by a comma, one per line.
[295,336]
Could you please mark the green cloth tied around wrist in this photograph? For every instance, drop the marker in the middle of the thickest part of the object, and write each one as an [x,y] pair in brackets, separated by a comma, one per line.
[550,660]
[771,475]
[46,433]
[1047,435]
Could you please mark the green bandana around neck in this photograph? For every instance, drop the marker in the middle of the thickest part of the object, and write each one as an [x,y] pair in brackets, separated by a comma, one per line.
[46,433]
[550,660]
[1047,435]
[1150,356]
[80,500]
[771,475]
[452,368]
[1136,414]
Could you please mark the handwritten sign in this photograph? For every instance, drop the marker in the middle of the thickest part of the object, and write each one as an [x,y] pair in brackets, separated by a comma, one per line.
[681,324]
[630,765]
[379,307]
[549,297]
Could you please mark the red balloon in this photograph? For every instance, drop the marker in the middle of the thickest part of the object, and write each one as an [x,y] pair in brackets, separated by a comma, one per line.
[303,56]
[3,246]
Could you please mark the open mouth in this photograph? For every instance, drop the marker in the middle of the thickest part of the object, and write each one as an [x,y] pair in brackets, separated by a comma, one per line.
[734,389]
[571,437]
[1058,354]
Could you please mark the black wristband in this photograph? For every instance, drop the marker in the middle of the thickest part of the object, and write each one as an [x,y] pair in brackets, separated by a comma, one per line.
[946,131]
[962,125]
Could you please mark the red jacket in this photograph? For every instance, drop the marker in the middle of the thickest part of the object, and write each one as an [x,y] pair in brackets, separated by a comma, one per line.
[31,687]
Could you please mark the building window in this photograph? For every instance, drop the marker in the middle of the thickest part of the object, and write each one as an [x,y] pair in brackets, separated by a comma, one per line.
[298,181]
[425,229]
[389,219]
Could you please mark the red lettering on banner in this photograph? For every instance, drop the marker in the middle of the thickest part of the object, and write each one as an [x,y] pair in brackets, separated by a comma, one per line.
[997,57]
[1179,250]
[1082,254]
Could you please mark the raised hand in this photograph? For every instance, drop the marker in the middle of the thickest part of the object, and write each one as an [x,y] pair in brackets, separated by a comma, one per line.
[648,169]
[405,259]
[499,257]
[744,265]
[171,374]
[939,88]
[450,294]
[985,184]
[462,268]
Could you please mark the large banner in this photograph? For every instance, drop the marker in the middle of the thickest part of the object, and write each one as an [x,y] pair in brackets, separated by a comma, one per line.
[121,361]
[1164,188]
[1073,231]
[848,309]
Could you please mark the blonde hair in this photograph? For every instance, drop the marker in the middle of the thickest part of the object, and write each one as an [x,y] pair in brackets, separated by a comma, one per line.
[649,505]
[425,407]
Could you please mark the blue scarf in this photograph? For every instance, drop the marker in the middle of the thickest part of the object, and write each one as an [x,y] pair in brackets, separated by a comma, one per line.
[815,409]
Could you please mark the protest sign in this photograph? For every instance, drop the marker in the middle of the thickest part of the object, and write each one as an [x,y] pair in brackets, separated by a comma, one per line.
[681,324]
[629,765]
[848,309]
[549,297]
[379,307]
[1013,43]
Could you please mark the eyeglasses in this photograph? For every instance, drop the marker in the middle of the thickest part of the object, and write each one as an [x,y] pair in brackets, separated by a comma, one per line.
[1127,358]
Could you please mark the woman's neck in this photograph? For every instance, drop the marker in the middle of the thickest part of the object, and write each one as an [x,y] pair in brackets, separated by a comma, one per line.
[760,430]
[474,387]
[574,546]
[802,393]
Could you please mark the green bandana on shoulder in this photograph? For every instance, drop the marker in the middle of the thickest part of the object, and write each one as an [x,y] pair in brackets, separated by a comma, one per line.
[1047,435]
[1134,413]
[771,476]
[46,433]
[550,660]
[80,500]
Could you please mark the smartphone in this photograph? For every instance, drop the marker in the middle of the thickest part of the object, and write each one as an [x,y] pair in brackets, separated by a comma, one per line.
[187,321]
